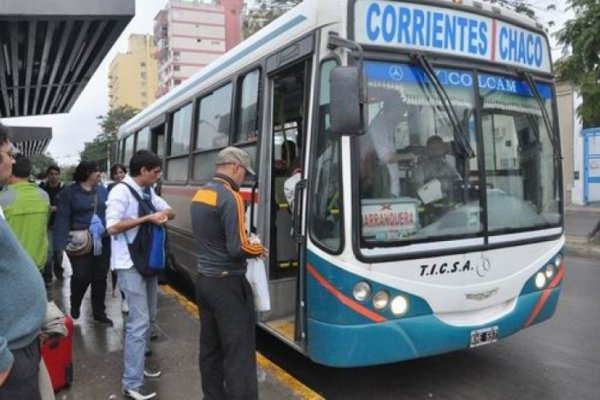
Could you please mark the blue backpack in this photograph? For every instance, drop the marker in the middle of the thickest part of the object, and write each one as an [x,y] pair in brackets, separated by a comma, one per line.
[148,249]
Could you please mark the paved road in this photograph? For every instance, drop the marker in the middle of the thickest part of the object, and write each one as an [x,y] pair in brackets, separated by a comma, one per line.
[558,359]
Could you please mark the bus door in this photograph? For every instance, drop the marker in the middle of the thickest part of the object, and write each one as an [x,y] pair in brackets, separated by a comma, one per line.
[289,104]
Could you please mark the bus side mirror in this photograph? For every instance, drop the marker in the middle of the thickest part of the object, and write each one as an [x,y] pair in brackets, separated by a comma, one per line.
[347,106]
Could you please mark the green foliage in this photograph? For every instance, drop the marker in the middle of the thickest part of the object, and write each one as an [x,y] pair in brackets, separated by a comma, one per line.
[112,121]
[102,148]
[67,172]
[519,6]
[265,12]
[40,162]
[580,38]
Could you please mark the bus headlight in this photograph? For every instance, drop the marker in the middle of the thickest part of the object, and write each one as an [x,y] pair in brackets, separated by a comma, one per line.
[540,280]
[558,260]
[550,270]
[399,305]
[381,300]
[361,291]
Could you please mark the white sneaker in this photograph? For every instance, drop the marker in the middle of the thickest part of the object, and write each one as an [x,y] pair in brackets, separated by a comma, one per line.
[139,394]
[124,306]
[152,373]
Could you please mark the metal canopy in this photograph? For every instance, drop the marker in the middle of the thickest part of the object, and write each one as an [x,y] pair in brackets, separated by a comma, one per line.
[30,140]
[50,50]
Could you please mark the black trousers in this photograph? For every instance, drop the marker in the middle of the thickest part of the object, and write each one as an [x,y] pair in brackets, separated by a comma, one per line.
[90,269]
[54,262]
[227,337]
[22,381]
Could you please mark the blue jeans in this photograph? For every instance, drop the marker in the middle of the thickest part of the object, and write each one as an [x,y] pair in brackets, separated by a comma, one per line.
[140,293]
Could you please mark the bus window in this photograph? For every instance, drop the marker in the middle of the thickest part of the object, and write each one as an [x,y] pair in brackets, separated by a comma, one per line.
[180,131]
[325,219]
[158,140]
[247,122]
[128,148]
[179,144]
[212,132]
[415,181]
[143,139]
[519,159]
[213,119]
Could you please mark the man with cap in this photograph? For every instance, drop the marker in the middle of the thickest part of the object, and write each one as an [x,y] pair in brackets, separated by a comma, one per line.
[224,296]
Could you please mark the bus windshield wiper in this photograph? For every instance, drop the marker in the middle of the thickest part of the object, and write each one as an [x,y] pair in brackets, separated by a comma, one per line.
[460,135]
[549,127]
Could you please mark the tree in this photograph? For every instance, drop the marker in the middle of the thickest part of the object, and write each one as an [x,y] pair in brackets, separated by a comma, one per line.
[103,148]
[264,13]
[40,162]
[580,39]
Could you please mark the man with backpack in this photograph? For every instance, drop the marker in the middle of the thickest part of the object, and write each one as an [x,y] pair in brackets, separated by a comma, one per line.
[134,217]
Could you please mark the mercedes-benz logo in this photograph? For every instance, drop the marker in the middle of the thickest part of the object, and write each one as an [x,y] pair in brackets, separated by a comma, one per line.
[396,73]
[484,267]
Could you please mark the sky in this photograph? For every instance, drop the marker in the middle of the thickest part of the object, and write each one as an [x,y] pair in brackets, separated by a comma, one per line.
[70,131]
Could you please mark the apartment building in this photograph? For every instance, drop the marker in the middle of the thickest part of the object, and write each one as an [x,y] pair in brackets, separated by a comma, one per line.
[190,34]
[133,75]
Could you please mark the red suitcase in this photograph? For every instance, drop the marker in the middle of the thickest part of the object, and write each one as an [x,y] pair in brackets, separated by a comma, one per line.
[58,356]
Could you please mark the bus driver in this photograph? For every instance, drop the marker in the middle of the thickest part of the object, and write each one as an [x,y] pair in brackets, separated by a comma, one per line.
[435,166]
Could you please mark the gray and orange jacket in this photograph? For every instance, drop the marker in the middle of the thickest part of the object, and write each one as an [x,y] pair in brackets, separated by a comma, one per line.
[218,220]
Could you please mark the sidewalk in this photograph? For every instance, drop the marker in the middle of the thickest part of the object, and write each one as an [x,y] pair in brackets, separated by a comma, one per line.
[98,353]
[580,224]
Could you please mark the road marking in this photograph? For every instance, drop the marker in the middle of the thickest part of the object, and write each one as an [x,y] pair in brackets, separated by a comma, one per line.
[297,387]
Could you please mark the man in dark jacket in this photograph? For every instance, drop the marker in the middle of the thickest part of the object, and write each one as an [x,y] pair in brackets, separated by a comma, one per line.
[227,342]
[52,185]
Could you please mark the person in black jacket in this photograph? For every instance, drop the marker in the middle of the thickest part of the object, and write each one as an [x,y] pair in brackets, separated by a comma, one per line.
[52,185]
[227,342]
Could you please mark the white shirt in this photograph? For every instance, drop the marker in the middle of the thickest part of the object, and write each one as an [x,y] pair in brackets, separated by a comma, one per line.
[289,188]
[121,205]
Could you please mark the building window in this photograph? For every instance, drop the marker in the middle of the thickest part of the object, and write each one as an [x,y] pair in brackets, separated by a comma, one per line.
[143,64]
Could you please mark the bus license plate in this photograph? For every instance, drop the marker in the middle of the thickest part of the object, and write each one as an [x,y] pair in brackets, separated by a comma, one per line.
[480,337]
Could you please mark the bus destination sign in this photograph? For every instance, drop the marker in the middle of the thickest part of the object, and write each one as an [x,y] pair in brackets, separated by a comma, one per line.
[438,29]
[390,219]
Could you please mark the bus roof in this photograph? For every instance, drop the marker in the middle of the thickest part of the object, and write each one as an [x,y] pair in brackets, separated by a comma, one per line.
[300,20]
[285,29]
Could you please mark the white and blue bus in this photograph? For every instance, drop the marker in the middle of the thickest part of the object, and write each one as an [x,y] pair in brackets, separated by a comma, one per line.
[428,217]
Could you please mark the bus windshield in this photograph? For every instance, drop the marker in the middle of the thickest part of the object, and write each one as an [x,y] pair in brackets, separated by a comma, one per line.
[416,182]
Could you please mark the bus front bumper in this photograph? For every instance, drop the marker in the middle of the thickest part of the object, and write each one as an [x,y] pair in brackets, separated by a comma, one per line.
[404,339]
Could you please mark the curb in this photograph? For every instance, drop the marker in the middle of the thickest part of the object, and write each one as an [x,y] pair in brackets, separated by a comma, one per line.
[582,250]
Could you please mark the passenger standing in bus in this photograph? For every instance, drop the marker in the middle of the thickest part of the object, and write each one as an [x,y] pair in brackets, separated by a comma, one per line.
[379,146]
[227,339]
[123,221]
[80,206]
[22,305]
